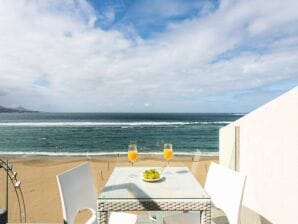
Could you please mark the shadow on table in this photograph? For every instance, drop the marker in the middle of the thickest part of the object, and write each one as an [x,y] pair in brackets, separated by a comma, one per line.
[137,193]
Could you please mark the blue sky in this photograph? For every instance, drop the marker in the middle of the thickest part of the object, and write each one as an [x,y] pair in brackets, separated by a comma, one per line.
[147,55]
[148,17]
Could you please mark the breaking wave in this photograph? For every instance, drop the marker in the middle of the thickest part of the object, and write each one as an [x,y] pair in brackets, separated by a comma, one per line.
[108,124]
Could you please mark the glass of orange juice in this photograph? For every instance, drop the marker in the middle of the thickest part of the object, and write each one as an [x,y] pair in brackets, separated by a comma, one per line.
[132,156]
[132,153]
[168,152]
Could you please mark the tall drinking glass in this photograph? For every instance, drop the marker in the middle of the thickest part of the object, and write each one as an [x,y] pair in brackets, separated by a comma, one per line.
[132,156]
[132,153]
[168,153]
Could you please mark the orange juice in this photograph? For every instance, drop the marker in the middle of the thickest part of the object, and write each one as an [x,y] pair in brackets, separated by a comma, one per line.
[132,155]
[167,154]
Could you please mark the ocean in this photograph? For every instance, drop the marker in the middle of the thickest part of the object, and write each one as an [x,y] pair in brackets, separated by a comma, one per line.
[107,133]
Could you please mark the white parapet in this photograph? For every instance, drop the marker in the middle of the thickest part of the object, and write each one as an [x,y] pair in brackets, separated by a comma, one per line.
[227,146]
[268,155]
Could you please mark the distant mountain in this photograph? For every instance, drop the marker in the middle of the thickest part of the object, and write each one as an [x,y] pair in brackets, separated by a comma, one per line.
[15,110]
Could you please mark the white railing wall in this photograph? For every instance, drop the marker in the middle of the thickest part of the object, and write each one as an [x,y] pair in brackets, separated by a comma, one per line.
[269,158]
[227,142]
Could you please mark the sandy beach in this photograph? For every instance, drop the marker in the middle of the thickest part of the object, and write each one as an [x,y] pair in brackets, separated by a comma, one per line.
[39,185]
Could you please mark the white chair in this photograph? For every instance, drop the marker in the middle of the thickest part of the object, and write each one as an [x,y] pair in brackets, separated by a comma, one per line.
[197,163]
[77,192]
[225,188]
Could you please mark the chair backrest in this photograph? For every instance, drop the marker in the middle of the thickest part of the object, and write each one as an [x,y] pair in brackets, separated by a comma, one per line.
[77,191]
[197,167]
[225,187]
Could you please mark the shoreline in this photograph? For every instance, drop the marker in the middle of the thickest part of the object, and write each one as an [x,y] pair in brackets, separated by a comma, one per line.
[99,154]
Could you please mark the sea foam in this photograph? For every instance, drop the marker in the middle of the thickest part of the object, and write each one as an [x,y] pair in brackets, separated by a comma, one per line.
[77,154]
[106,124]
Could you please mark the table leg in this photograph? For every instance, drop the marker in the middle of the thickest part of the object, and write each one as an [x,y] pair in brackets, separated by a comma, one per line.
[102,217]
[206,216]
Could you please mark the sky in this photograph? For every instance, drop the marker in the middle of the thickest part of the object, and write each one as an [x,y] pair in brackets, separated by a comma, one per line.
[146,55]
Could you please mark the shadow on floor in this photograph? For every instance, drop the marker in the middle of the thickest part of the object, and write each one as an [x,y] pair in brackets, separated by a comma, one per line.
[248,216]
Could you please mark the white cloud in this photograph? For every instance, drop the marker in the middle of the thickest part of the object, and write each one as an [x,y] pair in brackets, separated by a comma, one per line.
[89,69]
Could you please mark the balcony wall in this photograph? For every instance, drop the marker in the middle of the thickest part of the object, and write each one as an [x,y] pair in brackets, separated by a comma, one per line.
[268,155]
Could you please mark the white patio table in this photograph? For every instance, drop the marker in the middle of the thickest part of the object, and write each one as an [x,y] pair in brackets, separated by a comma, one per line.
[178,190]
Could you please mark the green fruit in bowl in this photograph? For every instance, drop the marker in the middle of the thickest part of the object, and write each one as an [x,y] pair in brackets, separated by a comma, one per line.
[151,174]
